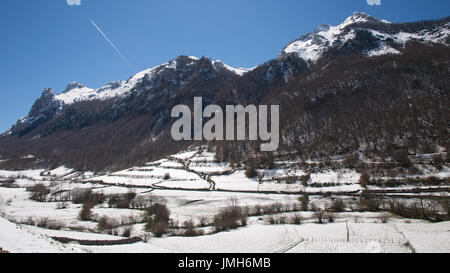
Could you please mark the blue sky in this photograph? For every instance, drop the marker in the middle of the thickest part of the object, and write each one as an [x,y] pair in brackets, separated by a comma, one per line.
[47,43]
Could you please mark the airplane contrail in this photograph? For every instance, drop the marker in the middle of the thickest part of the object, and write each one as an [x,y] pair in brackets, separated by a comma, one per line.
[112,45]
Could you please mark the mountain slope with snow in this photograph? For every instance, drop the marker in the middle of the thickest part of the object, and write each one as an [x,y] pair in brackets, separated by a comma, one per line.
[175,72]
[78,92]
[384,36]
[323,83]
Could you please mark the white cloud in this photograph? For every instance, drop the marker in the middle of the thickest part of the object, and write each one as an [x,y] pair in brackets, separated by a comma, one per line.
[374,2]
[73,2]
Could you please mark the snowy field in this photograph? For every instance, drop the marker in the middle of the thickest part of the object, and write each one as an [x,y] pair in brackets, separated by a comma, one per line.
[307,238]
[195,187]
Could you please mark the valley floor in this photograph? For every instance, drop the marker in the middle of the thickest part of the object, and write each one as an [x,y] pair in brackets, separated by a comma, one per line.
[195,187]
[397,237]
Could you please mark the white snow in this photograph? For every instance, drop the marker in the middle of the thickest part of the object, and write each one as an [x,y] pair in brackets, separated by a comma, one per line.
[312,46]
[237,70]
[19,239]
[314,238]
[383,50]
[187,196]
[185,155]
[116,89]
[431,238]
[185,184]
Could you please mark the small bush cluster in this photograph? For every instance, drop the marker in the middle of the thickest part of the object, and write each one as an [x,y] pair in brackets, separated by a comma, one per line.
[62,205]
[338,205]
[251,172]
[121,201]
[421,209]
[231,217]
[305,179]
[190,230]
[157,219]
[394,182]
[319,215]
[143,201]
[44,223]
[364,180]
[89,197]
[304,202]
[39,192]
[402,157]
[111,225]
[370,202]
[107,224]
[86,213]
[295,219]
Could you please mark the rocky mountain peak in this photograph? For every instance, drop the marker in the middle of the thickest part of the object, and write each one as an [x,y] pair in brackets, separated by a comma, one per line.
[365,34]
[48,92]
[73,85]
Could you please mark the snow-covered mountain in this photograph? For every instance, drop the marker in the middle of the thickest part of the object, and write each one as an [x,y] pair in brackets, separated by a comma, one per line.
[359,32]
[78,92]
[323,81]
[384,37]
[50,103]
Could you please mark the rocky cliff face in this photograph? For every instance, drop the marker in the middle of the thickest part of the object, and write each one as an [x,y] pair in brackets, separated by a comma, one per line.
[42,110]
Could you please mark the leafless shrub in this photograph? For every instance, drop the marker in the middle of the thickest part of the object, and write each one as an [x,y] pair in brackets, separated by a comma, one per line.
[272,220]
[158,217]
[385,217]
[203,221]
[370,202]
[55,225]
[127,231]
[90,197]
[296,219]
[114,232]
[305,179]
[305,202]
[438,162]
[106,223]
[145,201]
[420,209]
[364,179]
[146,237]
[338,205]
[330,217]
[319,215]
[159,228]
[230,217]
[62,205]
[282,220]
[121,201]
[277,207]
[257,210]
[39,192]
[402,157]
[42,222]
[85,213]
[190,230]
[251,172]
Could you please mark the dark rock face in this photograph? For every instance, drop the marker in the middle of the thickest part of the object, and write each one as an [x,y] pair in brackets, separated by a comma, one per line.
[72,86]
[45,108]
